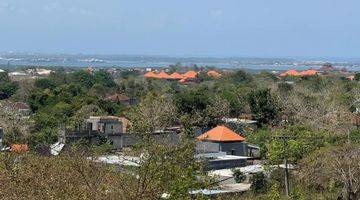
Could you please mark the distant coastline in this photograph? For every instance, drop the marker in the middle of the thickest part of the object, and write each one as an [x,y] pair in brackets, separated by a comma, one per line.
[14,60]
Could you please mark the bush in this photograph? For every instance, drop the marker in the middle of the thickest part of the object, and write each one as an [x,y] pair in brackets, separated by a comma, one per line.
[239,176]
[259,183]
[284,88]
[357,77]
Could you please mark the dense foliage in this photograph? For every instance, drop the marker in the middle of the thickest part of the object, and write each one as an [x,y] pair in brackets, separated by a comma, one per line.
[66,100]
[7,87]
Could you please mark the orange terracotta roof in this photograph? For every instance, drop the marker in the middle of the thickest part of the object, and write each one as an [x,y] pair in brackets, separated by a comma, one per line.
[19,148]
[221,134]
[291,72]
[183,80]
[214,74]
[309,72]
[176,75]
[163,75]
[150,75]
[190,74]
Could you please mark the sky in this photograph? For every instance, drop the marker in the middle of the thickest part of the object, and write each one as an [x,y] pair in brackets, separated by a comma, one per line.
[220,28]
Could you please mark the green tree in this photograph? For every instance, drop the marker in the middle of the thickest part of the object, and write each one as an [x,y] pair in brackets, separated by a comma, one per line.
[190,101]
[274,193]
[7,87]
[82,77]
[241,77]
[259,183]
[104,78]
[264,106]
[44,83]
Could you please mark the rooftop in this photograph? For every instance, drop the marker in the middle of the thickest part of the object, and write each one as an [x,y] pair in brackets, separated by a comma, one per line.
[190,74]
[117,97]
[221,134]
[291,72]
[176,75]
[214,74]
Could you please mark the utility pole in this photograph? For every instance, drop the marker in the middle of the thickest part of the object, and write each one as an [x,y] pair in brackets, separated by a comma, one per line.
[284,138]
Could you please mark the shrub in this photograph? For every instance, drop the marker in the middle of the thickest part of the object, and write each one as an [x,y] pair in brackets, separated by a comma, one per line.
[258,183]
[239,176]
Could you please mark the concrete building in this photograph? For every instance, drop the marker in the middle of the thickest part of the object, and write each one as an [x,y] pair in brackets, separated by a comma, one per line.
[100,128]
[220,160]
[112,128]
[222,139]
[105,124]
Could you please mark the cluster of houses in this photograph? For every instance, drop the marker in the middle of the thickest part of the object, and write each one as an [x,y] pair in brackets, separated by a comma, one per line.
[182,78]
[293,72]
[220,146]
[326,70]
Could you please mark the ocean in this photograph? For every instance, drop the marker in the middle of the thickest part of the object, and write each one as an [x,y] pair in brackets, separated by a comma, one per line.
[107,61]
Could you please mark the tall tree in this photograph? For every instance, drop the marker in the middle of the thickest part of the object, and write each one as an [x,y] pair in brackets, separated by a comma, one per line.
[264,106]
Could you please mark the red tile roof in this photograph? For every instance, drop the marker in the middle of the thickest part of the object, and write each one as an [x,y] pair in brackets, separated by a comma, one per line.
[150,75]
[163,75]
[176,75]
[19,148]
[221,134]
[190,74]
[309,72]
[183,80]
[291,72]
[213,74]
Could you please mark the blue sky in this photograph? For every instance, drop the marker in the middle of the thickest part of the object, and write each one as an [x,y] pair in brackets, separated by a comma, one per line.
[259,28]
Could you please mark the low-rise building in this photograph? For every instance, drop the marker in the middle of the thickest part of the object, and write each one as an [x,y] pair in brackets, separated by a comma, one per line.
[121,98]
[43,72]
[223,139]
[111,128]
[220,160]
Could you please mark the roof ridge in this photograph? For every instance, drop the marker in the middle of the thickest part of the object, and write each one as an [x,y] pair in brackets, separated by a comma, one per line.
[222,132]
